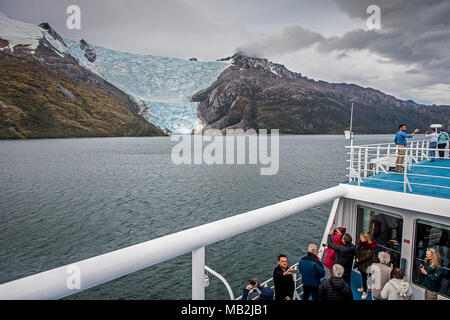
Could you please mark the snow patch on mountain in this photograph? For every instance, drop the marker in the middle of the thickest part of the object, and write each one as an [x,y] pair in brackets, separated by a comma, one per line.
[19,33]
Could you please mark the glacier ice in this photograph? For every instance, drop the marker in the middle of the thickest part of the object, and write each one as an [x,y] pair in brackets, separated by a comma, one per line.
[163,84]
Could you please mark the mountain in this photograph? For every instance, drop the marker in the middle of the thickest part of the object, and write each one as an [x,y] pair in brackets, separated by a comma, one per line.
[162,85]
[256,93]
[46,93]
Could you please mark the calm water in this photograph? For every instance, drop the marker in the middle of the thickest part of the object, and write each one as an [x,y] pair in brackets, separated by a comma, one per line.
[64,200]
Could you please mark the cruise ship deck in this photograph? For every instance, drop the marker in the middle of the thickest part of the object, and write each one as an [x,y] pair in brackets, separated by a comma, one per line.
[427,178]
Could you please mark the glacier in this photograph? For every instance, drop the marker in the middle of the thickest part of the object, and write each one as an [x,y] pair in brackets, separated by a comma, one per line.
[162,84]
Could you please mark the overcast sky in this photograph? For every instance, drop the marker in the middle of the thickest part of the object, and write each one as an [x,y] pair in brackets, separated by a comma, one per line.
[323,39]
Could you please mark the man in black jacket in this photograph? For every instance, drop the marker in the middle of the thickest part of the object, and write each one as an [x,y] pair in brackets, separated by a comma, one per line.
[335,288]
[283,280]
[345,253]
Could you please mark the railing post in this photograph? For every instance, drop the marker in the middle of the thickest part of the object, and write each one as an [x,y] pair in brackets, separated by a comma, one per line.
[388,152]
[366,160]
[198,274]
[350,177]
[405,169]
[423,145]
[378,157]
[359,166]
[417,151]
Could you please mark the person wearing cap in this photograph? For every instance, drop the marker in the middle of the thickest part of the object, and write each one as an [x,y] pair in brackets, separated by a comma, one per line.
[400,141]
[330,253]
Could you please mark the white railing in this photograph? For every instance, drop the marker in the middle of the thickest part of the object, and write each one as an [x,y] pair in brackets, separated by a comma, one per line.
[366,161]
[62,281]
[269,283]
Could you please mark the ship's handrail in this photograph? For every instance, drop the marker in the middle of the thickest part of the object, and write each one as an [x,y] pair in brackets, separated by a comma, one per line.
[297,278]
[366,161]
[79,276]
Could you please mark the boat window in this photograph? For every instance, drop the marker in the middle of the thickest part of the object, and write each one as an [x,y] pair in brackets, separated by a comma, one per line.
[436,236]
[385,227]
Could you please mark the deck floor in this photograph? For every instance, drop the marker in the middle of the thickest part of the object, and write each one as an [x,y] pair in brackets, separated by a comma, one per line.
[441,178]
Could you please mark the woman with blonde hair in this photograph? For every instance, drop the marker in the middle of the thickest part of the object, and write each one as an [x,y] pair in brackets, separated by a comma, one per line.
[363,259]
[432,272]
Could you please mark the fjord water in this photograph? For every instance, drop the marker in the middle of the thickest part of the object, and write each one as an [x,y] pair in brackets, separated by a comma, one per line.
[64,200]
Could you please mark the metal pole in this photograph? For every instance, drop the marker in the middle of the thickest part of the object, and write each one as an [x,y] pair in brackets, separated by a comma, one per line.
[366,160]
[359,166]
[225,282]
[198,274]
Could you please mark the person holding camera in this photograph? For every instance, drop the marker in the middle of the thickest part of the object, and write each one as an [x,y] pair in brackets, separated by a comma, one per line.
[432,273]
[330,253]
[344,253]
[264,293]
[400,142]
[283,280]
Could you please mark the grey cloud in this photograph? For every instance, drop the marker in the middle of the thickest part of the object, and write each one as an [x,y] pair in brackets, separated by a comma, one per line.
[290,39]
[414,33]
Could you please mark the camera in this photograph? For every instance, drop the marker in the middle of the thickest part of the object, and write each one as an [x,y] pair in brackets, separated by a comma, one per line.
[252,282]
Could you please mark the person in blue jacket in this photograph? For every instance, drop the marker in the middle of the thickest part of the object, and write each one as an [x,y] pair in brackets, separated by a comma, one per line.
[312,271]
[400,142]
[265,293]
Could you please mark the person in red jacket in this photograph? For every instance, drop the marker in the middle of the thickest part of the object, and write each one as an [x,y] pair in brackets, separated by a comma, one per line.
[330,253]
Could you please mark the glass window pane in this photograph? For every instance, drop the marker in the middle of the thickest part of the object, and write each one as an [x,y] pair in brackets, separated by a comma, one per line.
[436,236]
[385,227]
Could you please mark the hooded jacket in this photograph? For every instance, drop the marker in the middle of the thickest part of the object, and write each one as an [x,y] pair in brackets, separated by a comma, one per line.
[331,254]
[335,289]
[397,289]
[364,254]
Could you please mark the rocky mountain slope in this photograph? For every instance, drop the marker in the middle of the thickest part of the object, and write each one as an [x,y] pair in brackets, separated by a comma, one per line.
[46,93]
[256,93]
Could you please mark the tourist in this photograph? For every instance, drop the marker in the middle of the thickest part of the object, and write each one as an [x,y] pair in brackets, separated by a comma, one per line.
[432,273]
[283,280]
[264,293]
[363,259]
[380,274]
[330,253]
[344,253]
[442,143]
[312,271]
[335,288]
[397,288]
[400,141]
[433,135]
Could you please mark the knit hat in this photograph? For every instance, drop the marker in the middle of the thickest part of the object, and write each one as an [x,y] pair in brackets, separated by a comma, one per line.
[342,230]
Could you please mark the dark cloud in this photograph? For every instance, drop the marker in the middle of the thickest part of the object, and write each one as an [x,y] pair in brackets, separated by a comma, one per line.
[413,33]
